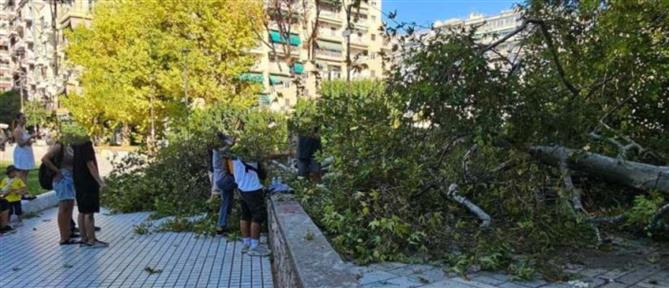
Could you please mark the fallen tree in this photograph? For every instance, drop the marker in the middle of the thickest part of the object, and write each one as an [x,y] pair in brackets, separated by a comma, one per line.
[636,175]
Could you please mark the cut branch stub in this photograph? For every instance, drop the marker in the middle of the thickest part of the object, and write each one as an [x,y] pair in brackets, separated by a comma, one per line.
[475,209]
[629,173]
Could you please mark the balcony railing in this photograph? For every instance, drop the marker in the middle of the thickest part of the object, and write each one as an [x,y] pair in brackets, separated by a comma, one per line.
[328,53]
[330,15]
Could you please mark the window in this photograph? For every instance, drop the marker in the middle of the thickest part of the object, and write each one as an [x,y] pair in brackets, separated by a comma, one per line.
[372,73]
[372,55]
[373,18]
[333,31]
[373,37]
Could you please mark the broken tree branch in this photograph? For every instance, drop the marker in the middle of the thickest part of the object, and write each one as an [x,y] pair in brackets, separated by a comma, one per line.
[608,219]
[465,163]
[556,57]
[506,37]
[575,199]
[629,173]
[659,215]
[475,209]
[622,149]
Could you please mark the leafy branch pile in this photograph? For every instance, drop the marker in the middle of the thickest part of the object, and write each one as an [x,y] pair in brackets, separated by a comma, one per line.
[500,163]
[173,181]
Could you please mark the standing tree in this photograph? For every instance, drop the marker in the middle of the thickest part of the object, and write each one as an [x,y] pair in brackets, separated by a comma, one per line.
[133,60]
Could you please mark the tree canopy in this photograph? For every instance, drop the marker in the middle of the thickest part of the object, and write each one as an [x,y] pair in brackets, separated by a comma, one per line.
[148,60]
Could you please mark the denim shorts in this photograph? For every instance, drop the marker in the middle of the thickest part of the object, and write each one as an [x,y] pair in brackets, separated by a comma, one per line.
[65,186]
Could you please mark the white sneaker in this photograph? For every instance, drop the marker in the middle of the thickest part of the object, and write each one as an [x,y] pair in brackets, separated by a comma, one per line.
[260,251]
[245,248]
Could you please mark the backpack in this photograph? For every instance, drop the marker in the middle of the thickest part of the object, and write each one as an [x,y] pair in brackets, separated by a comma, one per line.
[46,175]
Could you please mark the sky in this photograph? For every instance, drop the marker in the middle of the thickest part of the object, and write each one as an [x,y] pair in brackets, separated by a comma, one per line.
[425,12]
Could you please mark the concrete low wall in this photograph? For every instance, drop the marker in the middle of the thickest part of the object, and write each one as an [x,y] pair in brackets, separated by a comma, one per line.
[43,201]
[302,256]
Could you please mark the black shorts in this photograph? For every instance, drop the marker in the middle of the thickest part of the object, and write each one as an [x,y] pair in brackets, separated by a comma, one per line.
[4,205]
[253,206]
[15,208]
[88,202]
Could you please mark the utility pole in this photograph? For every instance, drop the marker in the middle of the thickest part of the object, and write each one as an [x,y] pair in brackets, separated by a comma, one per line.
[348,32]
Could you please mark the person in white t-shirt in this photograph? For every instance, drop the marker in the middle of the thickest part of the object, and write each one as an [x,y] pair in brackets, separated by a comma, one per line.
[248,177]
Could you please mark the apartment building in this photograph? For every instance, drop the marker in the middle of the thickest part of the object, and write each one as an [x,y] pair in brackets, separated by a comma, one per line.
[31,49]
[5,72]
[286,78]
[491,28]
[31,54]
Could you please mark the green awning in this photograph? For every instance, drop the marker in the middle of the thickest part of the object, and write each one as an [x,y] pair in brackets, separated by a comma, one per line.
[251,77]
[275,37]
[275,80]
[329,45]
[298,68]
[295,40]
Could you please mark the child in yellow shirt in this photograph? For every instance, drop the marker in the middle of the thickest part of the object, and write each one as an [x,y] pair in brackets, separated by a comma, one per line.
[11,189]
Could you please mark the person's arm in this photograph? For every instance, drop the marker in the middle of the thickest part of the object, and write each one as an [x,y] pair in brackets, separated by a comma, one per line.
[93,169]
[21,191]
[89,157]
[49,156]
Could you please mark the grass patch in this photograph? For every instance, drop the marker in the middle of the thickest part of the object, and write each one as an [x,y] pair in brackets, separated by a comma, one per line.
[33,183]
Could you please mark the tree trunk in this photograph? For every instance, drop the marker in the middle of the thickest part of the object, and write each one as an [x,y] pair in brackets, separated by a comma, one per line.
[633,174]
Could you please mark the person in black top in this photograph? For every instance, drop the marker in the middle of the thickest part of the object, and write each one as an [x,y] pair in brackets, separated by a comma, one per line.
[307,146]
[87,184]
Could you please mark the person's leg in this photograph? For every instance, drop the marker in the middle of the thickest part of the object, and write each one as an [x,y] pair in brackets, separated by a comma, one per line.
[23,175]
[89,227]
[227,198]
[314,171]
[4,218]
[245,223]
[64,216]
[81,220]
[18,211]
[302,168]
[257,200]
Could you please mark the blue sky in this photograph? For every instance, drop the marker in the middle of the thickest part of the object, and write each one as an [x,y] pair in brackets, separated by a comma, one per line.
[424,12]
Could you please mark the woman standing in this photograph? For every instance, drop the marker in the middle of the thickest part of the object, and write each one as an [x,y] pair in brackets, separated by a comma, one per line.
[60,159]
[87,184]
[24,159]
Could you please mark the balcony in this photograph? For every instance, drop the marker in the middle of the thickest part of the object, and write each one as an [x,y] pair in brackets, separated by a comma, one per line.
[359,42]
[328,54]
[331,17]
[327,35]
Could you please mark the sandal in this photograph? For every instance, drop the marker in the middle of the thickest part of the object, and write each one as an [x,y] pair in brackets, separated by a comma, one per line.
[69,242]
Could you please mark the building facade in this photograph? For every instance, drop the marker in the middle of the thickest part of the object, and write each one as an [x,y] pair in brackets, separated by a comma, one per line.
[285,78]
[5,59]
[32,53]
[31,46]
[490,29]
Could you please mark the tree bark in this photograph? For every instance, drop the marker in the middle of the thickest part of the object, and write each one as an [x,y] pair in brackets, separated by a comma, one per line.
[473,208]
[629,173]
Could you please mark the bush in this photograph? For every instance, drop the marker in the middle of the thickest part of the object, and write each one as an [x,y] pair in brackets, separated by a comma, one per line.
[174,180]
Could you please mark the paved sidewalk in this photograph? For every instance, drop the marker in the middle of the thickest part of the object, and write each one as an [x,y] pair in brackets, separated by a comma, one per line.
[415,275]
[32,258]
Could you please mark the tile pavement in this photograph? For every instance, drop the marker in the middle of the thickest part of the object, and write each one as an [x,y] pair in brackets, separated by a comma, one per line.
[412,275]
[31,257]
